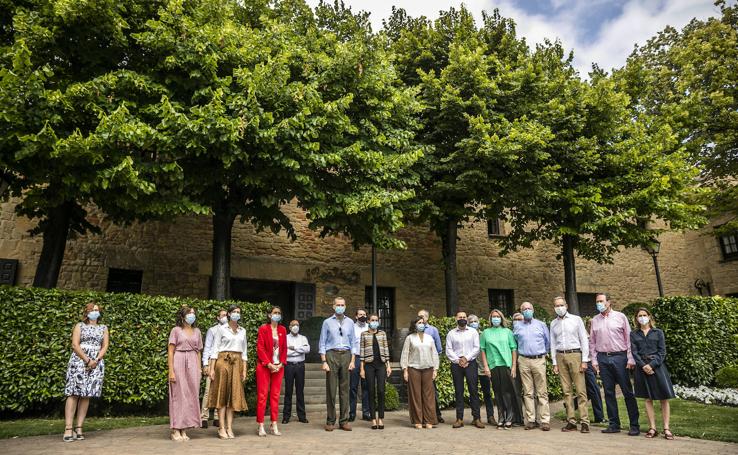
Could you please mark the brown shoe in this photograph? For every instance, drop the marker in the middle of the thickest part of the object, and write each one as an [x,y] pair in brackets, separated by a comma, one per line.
[329,427]
[530,426]
[545,427]
[569,427]
[585,428]
[346,427]
[458,424]
[491,420]
[478,423]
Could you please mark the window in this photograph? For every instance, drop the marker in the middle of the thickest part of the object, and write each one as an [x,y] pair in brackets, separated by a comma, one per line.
[587,305]
[502,299]
[123,280]
[729,246]
[8,267]
[385,307]
[494,228]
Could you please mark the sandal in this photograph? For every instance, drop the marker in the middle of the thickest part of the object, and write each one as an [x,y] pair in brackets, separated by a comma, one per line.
[418,426]
[668,434]
[78,434]
[652,433]
[71,437]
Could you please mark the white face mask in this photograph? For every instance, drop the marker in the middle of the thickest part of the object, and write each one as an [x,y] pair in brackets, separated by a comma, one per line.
[643,320]
[560,310]
[295,329]
[223,320]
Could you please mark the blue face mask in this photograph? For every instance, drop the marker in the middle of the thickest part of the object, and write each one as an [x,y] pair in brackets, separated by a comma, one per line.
[600,306]
[374,325]
[276,317]
[340,309]
[420,327]
[235,317]
[474,325]
[495,321]
[93,315]
[528,314]
[190,318]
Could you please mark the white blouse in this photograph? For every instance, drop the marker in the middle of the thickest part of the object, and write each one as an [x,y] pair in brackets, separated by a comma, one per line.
[419,354]
[227,341]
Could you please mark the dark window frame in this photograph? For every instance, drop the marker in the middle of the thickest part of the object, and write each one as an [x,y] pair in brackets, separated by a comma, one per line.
[124,280]
[387,326]
[494,228]
[495,295]
[732,255]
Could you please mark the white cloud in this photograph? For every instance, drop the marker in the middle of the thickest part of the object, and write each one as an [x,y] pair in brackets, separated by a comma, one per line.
[639,20]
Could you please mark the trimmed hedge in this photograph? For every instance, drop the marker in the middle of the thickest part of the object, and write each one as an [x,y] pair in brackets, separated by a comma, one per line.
[727,376]
[700,336]
[37,326]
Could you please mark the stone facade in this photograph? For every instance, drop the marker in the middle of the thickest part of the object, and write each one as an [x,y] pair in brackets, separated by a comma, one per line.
[175,260]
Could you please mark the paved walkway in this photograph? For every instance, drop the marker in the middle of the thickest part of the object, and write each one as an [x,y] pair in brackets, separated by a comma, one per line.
[397,437]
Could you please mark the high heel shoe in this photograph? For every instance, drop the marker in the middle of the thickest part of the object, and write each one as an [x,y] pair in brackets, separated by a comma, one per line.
[230,434]
[222,433]
[275,430]
[78,434]
[261,432]
[71,437]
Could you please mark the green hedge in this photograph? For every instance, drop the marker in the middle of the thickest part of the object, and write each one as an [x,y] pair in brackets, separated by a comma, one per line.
[444,382]
[700,336]
[37,326]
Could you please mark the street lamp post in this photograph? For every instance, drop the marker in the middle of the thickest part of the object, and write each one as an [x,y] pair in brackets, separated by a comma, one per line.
[653,249]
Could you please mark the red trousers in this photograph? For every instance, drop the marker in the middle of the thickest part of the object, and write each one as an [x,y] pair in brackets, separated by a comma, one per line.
[267,383]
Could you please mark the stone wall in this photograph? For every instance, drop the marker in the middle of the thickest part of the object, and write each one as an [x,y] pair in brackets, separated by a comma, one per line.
[175,259]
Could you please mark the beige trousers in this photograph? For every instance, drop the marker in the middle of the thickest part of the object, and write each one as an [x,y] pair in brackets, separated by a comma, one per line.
[535,388]
[571,375]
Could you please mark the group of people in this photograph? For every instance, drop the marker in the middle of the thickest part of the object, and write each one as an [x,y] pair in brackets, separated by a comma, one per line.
[357,352]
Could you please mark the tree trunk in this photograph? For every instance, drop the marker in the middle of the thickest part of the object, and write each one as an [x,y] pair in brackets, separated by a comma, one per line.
[55,235]
[220,283]
[449,267]
[4,185]
[570,274]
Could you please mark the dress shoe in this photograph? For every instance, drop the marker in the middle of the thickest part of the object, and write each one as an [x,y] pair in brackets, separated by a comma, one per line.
[529,426]
[585,428]
[545,427]
[204,424]
[440,420]
[634,431]
[367,418]
[458,424]
[569,427]
[216,423]
[346,427]
[304,421]
[491,420]
[611,430]
[285,421]
[329,427]
[352,418]
[477,423]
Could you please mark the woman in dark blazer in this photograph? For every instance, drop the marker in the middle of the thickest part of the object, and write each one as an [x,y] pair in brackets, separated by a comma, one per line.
[652,379]
[271,355]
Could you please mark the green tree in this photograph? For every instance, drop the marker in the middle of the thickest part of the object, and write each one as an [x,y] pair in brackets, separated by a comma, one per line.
[70,98]
[688,79]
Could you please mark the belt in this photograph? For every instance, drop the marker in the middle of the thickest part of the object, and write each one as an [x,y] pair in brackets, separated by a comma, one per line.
[339,350]
[539,356]
[609,354]
[569,351]
[296,363]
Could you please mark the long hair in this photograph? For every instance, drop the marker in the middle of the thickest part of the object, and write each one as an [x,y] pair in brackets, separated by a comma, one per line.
[651,320]
[503,323]
[182,313]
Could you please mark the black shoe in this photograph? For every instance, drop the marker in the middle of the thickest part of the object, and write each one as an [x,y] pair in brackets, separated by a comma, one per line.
[216,423]
[285,421]
[611,430]
[440,419]
[634,431]
[367,418]
[304,421]
[204,424]
[352,418]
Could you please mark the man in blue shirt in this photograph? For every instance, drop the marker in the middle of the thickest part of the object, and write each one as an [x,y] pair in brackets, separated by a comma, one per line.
[337,347]
[532,337]
[432,331]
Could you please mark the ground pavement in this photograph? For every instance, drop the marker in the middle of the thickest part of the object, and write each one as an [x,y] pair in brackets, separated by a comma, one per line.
[397,437]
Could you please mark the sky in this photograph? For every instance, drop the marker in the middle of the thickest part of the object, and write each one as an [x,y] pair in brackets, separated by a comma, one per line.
[598,31]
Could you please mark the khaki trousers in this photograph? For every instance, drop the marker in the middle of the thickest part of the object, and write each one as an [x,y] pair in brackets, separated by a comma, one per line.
[571,375]
[205,410]
[535,388]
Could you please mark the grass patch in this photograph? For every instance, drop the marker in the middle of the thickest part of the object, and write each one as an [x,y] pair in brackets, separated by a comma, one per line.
[38,427]
[688,418]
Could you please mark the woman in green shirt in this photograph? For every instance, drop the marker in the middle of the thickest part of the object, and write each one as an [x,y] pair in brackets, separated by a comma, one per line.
[500,356]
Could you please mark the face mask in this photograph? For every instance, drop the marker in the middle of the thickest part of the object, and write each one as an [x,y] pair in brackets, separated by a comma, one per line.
[276,317]
[643,320]
[362,319]
[528,314]
[340,309]
[461,322]
[235,317]
[294,329]
[560,310]
[190,318]
[600,306]
[93,315]
[223,320]
[495,321]
[474,325]
[374,325]
[420,327]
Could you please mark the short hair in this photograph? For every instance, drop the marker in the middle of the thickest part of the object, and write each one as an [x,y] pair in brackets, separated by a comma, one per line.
[607,297]
[414,321]
[558,297]
[89,307]
[651,321]
[233,307]
[294,322]
[371,315]
[360,309]
[461,310]
[425,313]
[337,298]
[220,310]
[472,316]
[521,305]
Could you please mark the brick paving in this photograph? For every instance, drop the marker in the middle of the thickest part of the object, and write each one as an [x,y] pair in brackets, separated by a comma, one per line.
[397,437]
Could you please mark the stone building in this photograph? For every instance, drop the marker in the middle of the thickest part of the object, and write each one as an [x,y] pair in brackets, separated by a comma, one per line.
[174,258]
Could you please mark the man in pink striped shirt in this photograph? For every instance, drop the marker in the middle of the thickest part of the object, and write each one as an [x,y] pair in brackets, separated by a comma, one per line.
[609,345]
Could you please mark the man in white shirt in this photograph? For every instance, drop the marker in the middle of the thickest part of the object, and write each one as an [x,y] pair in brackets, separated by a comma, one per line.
[221,318]
[462,350]
[570,354]
[294,373]
[360,326]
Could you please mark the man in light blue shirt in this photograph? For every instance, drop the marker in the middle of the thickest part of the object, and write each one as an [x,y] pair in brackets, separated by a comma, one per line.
[433,332]
[337,347]
[532,337]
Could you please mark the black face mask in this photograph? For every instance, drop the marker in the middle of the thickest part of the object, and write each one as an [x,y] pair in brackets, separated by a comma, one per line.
[462,322]
[362,319]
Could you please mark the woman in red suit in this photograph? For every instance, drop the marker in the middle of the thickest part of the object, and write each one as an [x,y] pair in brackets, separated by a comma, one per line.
[271,353]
